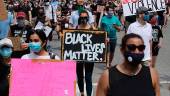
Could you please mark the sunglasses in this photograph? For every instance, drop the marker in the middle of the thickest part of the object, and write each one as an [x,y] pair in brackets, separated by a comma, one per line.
[132,47]
[84,17]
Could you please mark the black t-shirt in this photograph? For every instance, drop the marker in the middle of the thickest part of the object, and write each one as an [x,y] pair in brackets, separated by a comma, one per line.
[4,84]
[16,30]
[34,11]
[130,19]
[156,34]
[161,17]
[94,8]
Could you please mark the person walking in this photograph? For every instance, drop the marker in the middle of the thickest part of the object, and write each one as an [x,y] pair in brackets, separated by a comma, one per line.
[82,65]
[111,24]
[131,77]
[144,29]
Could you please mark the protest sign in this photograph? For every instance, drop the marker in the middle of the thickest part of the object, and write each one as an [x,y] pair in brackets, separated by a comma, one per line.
[84,45]
[3,11]
[130,6]
[16,41]
[46,78]
[39,25]
[46,29]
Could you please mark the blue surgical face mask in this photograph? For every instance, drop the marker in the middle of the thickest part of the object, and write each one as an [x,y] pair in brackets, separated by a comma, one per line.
[35,46]
[6,52]
[146,18]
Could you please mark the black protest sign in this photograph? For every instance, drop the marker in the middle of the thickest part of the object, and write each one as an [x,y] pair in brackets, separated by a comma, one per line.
[84,45]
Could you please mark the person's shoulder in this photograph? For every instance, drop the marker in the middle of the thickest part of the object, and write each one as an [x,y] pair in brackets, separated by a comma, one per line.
[26,56]
[88,11]
[104,17]
[14,26]
[148,24]
[75,12]
[133,24]
[115,17]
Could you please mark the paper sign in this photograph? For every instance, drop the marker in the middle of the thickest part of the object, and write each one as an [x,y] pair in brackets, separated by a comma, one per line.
[3,11]
[31,78]
[47,30]
[39,25]
[130,6]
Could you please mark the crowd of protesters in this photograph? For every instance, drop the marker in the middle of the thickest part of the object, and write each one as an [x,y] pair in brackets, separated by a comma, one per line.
[25,15]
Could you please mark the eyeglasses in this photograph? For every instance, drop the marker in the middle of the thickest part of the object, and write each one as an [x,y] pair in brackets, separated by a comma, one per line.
[132,47]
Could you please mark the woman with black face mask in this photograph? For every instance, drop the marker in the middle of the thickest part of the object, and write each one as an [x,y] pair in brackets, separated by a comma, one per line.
[130,78]
[82,66]
[83,21]
[41,16]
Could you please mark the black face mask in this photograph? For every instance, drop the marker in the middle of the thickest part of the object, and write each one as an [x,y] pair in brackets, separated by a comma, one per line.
[83,20]
[134,59]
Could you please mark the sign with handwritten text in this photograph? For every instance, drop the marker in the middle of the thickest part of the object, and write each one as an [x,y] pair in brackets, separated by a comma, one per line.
[33,78]
[84,45]
[130,6]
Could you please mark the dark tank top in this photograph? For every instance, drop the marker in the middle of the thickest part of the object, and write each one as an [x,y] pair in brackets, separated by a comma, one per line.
[124,85]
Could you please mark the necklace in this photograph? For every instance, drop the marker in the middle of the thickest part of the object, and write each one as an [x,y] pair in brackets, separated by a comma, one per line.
[124,70]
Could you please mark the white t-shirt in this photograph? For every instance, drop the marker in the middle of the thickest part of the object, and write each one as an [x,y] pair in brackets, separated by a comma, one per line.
[145,31]
[75,15]
[35,56]
[48,12]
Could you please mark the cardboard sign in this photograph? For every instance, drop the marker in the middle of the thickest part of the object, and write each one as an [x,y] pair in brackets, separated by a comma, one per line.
[39,25]
[16,41]
[47,78]
[3,11]
[100,8]
[130,6]
[84,45]
[47,29]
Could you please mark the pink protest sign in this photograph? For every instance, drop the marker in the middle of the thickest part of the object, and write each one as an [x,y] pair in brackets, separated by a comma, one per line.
[30,78]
